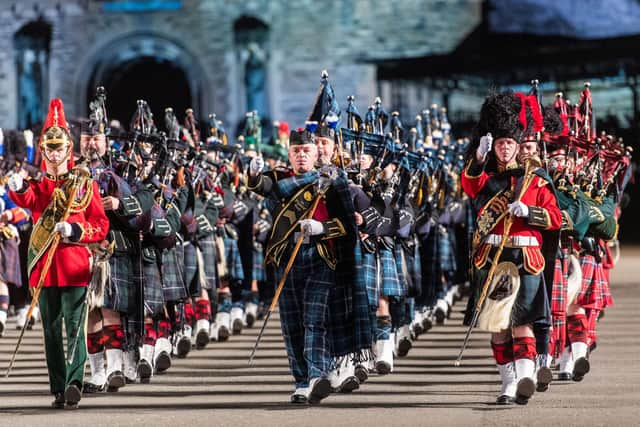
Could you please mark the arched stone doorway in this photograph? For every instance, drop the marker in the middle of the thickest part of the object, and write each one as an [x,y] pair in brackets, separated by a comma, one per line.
[145,66]
[161,83]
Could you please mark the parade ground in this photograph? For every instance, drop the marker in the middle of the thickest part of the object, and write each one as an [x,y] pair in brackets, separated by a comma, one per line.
[216,387]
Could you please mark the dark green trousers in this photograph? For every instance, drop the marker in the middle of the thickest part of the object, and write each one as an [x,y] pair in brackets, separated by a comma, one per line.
[59,305]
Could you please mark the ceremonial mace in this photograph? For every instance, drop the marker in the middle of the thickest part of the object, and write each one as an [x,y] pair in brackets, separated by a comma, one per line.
[45,269]
[508,222]
[323,189]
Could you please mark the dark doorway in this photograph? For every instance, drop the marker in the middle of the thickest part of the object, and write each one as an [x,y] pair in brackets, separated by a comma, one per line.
[159,82]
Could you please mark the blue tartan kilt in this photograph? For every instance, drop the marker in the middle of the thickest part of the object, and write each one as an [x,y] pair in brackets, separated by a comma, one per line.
[369,275]
[173,288]
[190,269]
[121,291]
[10,272]
[446,250]
[153,294]
[208,247]
[258,265]
[389,281]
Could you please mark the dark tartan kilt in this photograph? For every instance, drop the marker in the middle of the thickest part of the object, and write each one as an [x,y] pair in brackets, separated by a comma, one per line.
[369,275]
[153,295]
[413,283]
[595,293]
[190,269]
[122,284]
[173,288]
[560,282]
[389,281]
[258,266]
[531,304]
[208,247]
[432,286]
[446,250]
[10,263]
[398,255]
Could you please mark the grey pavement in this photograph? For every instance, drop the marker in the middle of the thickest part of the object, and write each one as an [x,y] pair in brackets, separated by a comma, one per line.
[215,386]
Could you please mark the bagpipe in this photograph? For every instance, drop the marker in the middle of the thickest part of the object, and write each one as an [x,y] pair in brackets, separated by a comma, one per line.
[595,164]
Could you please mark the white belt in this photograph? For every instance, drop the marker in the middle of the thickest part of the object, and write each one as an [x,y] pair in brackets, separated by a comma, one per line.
[518,241]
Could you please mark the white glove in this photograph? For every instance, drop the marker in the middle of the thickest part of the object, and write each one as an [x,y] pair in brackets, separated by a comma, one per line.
[484,147]
[518,209]
[15,182]
[311,227]
[256,166]
[64,228]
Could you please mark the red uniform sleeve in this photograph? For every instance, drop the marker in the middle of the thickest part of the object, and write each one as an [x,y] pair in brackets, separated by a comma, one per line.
[473,179]
[28,199]
[94,225]
[544,211]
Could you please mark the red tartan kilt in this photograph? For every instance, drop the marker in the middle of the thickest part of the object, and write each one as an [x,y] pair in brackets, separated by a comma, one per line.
[595,293]
[560,283]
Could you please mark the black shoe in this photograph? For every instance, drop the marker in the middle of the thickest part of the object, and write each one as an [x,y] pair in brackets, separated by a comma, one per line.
[144,371]
[404,346]
[348,385]
[72,396]
[440,316]
[564,376]
[1,328]
[427,323]
[115,380]
[526,388]
[544,378]
[184,347]
[581,368]
[383,368]
[504,400]
[361,373]
[237,327]
[163,362]
[299,399]
[319,390]
[202,339]
[223,334]
[91,388]
[58,401]
[251,319]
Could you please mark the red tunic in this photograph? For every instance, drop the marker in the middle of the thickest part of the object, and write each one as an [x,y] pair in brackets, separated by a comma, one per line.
[538,194]
[70,263]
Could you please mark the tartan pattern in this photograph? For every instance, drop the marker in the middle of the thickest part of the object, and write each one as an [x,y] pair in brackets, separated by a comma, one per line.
[153,295]
[559,301]
[304,316]
[446,250]
[389,282]
[595,293]
[258,265]
[350,315]
[190,269]
[592,322]
[173,287]
[121,289]
[234,262]
[208,247]
[10,262]
[432,284]
[366,264]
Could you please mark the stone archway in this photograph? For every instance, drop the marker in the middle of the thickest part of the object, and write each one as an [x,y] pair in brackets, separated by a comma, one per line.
[144,66]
